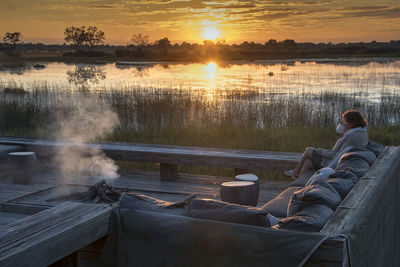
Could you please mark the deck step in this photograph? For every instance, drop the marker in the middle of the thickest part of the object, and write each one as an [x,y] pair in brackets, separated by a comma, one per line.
[50,235]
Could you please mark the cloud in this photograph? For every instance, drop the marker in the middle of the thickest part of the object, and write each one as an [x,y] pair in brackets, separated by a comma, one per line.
[288,13]
[106,6]
[163,17]
[272,16]
[297,2]
[233,6]
[364,8]
[165,5]
[11,8]
[380,12]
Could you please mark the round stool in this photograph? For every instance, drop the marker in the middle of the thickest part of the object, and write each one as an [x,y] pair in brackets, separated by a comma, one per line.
[250,178]
[22,165]
[239,192]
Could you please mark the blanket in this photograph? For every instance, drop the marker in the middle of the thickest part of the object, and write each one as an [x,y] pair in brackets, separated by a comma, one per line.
[144,238]
[310,207]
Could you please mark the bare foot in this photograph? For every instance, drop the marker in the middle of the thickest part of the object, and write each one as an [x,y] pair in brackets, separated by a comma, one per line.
[290,174]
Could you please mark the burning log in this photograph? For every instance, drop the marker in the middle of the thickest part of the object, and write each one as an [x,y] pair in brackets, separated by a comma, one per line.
[100,192]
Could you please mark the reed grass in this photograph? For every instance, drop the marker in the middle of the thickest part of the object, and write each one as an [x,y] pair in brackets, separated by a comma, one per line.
[230,119]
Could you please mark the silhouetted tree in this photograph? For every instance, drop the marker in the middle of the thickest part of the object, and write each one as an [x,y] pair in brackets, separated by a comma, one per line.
[271,43]
[12,38]
[186,45]
[140,40]
[162,43]
[75,35]
[208,43]
[288,43]
[94,36]
[220,42]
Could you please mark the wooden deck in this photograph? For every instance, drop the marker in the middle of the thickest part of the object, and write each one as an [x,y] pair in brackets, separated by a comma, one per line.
[45,231]
[24,208]
[37,232]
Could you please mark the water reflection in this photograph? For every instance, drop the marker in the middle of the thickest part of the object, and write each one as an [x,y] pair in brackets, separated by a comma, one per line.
[83,75]
[141,71]
[15,68]
[243,79]
[138,70]
[211,69]
[151,96]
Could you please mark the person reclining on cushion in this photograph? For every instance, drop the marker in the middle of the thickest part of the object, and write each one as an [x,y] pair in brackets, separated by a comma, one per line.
[355,134]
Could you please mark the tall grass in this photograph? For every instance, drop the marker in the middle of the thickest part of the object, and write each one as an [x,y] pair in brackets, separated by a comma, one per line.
[227,119]
[243,119]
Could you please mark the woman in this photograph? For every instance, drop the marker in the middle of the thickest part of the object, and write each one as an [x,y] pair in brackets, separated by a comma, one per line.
[355,134]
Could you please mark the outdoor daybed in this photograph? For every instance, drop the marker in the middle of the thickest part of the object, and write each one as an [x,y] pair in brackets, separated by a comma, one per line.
[149,232]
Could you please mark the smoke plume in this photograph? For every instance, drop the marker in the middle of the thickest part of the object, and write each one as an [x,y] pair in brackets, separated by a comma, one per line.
[89,120]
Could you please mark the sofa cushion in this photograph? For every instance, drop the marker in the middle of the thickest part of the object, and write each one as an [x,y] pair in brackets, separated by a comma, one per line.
[358,166]
[374,147]
[319,192]
[323,173]
[303,179]
[135,201]
[309,219]
[343,182]
[278,205]
[216,210]
[342,186]
[361,153]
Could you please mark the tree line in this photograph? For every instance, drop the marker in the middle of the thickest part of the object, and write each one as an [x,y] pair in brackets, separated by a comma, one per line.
[140,47]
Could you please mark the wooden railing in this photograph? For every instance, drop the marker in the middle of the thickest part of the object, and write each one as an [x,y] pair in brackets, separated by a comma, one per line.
[170,157]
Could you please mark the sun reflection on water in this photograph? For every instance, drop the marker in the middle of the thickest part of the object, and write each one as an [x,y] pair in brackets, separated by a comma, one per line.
[211,70]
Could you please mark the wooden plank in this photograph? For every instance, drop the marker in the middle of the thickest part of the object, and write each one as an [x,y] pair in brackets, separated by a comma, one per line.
[23,208]
[37,222]
[238,171]
[211,157]
[168,172]
[331,251]
[10,191]
[345,214]
[10,217]
[267,191]
[183,177]
[204,186]
[48,236]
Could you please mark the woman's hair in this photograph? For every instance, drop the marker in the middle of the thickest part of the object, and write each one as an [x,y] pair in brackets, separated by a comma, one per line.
[355,118]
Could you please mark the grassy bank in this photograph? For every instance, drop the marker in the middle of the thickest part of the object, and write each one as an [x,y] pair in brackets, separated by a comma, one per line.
[242,120]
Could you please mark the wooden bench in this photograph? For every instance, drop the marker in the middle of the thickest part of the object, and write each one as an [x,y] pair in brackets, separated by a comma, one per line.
[48,236]
[170,157]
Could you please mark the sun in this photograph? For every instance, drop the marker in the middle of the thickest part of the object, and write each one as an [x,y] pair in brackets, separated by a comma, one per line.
[210,33]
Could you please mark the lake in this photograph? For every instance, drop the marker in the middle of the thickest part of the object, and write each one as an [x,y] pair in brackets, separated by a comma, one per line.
[370,78]
[259,94]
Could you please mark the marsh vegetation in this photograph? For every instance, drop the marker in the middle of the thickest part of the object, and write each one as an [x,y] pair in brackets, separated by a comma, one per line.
[241,114]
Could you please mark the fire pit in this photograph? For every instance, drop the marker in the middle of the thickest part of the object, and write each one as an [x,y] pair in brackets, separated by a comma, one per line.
[97,193]
[100,192]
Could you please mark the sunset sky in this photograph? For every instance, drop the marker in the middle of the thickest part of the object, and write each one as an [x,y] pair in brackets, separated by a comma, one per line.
[194,20]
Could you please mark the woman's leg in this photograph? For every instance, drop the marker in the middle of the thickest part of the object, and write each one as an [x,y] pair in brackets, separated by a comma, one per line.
[304,163]
[308,165]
